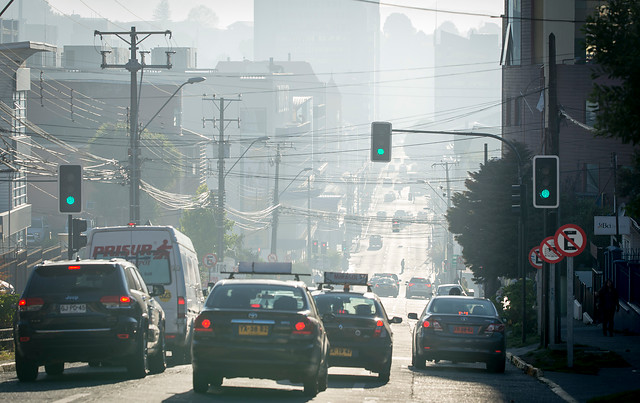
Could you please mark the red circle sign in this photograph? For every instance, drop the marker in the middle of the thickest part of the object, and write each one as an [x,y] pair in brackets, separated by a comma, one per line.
[548,251]
[209,260]
[272,258]
[571,240]
[534,257]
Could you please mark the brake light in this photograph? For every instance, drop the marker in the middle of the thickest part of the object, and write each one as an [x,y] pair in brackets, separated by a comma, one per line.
[203,325]
[255,306]
[379,331]
[30,304]
[116,301]
[433,324]
[410,285]
[182,311]
[303,327]
[428,285]
[495,327]
[74,267]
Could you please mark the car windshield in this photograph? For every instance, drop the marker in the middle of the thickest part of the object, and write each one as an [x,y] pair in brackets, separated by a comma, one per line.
[346,305]
[462,306]
[419,280]
[257,296]
[74,279]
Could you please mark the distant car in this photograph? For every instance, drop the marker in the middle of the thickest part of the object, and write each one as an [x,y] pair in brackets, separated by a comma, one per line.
[389,197]
[358,329]
[95,311]
[255,328]
[445,289]
[459,329]
[386,287]
[38,232]
[375,242]
[418,286]
[381,215]
[389,275]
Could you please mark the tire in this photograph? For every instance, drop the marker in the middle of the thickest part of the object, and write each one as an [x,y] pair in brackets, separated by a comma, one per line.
[137,365]
[407,295]
[26,370]
[420,362]
[385,374]
[216,381]
[323,377]
[158,361]
[200,382]
[496,366]
[54,369]
[311,385]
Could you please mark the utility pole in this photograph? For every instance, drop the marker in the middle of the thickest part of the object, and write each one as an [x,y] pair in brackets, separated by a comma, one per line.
[276,201]
[309,220]
[450,263]
[221,175]
[133,66]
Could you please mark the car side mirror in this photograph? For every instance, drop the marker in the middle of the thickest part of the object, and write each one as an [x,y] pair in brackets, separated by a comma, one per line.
[412,315]
[156,289]
[396,319]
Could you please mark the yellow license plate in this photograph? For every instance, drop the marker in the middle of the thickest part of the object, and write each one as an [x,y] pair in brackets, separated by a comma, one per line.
[463,329]
[341,352]
[253,330]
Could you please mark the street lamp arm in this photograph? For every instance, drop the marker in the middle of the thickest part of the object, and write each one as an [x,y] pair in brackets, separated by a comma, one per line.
[294,179]
[264,138]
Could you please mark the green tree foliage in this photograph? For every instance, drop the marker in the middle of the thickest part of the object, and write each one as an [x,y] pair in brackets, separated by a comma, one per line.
[613,42]
[8,303]
[482,222]
[511,304]
[112,199]
[162,12]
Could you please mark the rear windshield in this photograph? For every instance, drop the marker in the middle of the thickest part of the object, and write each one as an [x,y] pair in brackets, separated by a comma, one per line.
[346,305]
[61,280]
[258,296]
[462,306]
[419,280]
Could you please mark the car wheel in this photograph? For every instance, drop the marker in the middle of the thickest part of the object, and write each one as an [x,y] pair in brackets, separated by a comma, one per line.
[137,365]
[385,374]
[420,363]
[496,365]
[200,382]
[323,377]
[216,381]
[54,369]
[26,370]
[158,361]
[311,386]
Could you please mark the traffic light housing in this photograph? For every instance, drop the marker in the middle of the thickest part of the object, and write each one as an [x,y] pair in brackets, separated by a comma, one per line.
[324,247]
[78,226]
[381,141]
[315,247]
[546,181]
[70,189]
[516,198]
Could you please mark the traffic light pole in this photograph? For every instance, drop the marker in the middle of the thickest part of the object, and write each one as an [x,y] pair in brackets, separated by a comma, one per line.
[70,237]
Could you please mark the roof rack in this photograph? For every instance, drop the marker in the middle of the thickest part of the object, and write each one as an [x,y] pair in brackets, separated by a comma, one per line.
[265,268]
[345,279]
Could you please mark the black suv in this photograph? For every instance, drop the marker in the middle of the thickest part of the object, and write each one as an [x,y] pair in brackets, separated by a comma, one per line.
[95,311]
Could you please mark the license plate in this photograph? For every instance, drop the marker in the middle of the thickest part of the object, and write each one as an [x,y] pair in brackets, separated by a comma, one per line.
[253,330]
[463,329]
[340,352]
[73,308]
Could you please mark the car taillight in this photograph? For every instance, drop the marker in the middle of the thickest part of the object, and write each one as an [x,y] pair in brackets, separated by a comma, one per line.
[380,330]
[182,308]
[432,324]
[116,301]
[410,285]
[303,327]
[203,325]
[428,285]
[30,304]
[74,267]
[495,327]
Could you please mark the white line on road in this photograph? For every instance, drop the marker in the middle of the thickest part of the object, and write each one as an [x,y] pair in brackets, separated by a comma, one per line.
[72,398]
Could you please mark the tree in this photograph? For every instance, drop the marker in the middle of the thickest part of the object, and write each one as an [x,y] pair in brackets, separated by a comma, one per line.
[162,12]
[613,43]
[204,16]
[481,219]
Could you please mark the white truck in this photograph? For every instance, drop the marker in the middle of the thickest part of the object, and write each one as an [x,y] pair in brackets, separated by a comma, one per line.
[163,256]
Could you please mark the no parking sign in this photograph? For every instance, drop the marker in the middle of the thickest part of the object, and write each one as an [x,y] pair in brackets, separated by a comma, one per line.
[570,240]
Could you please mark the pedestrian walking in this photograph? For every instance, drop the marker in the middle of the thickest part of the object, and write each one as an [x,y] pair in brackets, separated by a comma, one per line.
[608,305]
[402,266]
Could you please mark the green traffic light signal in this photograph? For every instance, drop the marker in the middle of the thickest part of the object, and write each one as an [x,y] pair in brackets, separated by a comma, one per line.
[380,151]
[381,141]
[545,193]
[71,200]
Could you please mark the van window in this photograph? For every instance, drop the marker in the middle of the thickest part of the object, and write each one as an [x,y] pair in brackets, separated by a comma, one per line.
[154,268]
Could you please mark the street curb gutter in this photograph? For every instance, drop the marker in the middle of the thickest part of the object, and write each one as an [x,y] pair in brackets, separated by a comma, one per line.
[8,367]
[539,375]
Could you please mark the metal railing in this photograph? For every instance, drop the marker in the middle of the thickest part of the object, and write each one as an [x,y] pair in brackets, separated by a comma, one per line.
[6,339]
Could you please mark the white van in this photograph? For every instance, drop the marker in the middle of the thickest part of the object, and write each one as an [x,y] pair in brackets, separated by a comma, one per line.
[163,256]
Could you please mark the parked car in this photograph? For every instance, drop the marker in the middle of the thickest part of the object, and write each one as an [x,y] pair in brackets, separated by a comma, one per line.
[260,329]
[38,232]
[418,286]
[386,287]
[359,330]
[96,311]
[375,242]
[459,329]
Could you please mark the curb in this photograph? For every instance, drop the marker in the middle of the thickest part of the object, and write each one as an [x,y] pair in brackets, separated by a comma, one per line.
[539,375]
[8,367]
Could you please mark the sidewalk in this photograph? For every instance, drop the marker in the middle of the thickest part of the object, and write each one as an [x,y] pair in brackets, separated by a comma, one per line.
[608,381]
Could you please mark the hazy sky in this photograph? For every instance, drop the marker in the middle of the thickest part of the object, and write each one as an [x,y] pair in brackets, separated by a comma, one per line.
[230,11]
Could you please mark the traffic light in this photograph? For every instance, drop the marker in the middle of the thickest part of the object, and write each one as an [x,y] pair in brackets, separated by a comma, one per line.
[324,247]
[315,247]
[516,198]
[381,141]
[78,226]
[70,188]
[546,181]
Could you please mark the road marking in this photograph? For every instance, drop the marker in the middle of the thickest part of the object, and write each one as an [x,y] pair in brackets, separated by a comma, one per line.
[72,398]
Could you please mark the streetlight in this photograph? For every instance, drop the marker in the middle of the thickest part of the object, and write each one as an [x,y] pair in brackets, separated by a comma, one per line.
[263,138]
[134,190]
[276,201]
